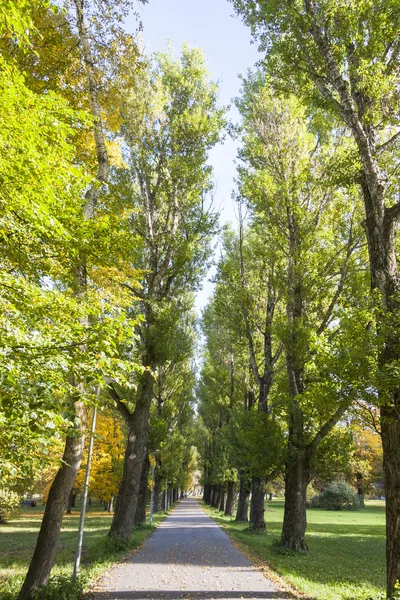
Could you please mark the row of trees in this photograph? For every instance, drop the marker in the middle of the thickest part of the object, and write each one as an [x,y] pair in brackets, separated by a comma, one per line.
[305,336]
[106,226]
[289,336]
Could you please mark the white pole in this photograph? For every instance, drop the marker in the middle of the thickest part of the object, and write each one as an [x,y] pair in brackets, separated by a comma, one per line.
[78,552]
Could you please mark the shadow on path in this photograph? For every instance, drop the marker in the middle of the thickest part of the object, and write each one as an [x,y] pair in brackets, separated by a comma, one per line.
[188,557]
[187,595]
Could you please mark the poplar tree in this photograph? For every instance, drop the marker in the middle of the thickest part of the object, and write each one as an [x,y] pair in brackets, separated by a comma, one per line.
[170,123]
[343,57]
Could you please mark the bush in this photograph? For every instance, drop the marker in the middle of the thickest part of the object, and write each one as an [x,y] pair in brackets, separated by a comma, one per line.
[9,505]
[62,587]
[338,496]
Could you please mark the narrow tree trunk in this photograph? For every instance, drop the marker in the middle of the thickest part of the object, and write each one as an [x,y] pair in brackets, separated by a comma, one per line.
[212,493]
[157,493]
[135,455]
[295,519]
[140,515]
[71,502]
[230,499]
[390,429]
[257,522]
[111,505]
[46,545]
[242,513]
[222,500]
[206,494]
[360,489]
[217,497]
[170,502]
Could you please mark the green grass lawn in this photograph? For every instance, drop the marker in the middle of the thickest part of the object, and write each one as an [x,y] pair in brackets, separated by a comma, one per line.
[346,558]
[18,537]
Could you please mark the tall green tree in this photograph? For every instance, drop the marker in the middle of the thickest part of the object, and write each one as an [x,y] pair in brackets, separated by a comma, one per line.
[315,227]
[344,58]
[62,309]
[171,121]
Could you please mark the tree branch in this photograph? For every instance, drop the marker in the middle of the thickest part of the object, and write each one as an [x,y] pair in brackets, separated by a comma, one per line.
[122,407]
[326,428]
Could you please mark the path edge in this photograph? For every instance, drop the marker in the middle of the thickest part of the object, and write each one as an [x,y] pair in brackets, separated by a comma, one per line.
[269,572]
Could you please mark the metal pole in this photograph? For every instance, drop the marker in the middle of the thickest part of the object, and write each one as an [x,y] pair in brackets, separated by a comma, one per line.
[78,552]
[152,489]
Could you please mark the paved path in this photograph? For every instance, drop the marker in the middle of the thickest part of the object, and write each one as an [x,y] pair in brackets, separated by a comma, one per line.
[188,557]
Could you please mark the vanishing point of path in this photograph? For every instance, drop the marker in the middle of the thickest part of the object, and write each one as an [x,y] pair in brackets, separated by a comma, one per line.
[188,557]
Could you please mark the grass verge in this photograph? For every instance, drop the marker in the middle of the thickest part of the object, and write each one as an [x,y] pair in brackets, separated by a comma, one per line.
[346,559]
[18,538]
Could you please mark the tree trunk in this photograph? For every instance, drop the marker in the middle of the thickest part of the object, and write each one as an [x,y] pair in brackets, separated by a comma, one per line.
[390,429]
[212,493]
[222,500]
[140,515]
[217,497]
[135,454]
[157,494]
[111,505]
[257,522]
[206,494]
[242,513]
[295,519]
[46,545]
[170,502]
[71,502]
[230,499]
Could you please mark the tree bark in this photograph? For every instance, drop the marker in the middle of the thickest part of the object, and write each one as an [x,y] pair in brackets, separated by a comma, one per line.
[140,514]
[71,502]
[157,493]
[212,492]
[390,428]
[46,546]
[257,521]
[222,499]
[242,513]
[295,520]
[135,454]
[230,499]
[217,497]
[206,493]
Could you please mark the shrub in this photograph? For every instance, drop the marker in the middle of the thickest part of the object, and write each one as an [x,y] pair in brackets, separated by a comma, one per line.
[9,505]
[61,587]
[338,496]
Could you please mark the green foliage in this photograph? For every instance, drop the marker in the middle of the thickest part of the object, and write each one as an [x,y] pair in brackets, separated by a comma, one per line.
[61,587]
[255,442]
[9,504]
[338,496]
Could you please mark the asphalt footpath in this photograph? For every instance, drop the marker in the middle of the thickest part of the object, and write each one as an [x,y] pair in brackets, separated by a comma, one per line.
[188,557]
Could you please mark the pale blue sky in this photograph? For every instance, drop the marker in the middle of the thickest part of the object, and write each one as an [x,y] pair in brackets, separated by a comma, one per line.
[226,42]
